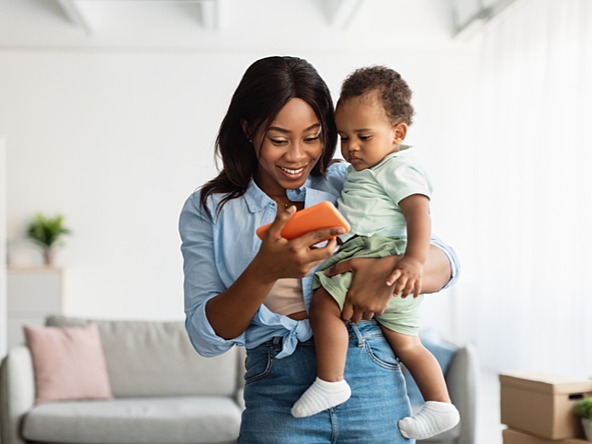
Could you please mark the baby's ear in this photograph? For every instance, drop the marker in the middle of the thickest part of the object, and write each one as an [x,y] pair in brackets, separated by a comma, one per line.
[399,132]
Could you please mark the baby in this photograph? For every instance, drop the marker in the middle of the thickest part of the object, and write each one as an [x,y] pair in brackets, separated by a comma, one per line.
[386,200]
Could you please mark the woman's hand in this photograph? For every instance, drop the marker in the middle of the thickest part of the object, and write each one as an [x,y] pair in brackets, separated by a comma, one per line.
[370,293]
[231,311]
[282,258]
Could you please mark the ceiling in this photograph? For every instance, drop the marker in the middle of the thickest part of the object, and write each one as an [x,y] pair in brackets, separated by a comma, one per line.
[236,24]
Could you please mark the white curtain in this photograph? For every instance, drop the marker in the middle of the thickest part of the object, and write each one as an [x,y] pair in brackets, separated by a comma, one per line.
[525,297]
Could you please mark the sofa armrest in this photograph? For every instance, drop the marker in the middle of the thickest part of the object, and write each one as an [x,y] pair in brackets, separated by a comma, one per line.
[240,377]
[17,392]
[461,379]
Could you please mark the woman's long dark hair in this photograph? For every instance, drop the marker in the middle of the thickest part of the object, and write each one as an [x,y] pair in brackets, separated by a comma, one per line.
[267,85]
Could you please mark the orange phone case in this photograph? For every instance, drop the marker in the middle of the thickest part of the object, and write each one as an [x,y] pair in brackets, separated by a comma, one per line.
[322,215]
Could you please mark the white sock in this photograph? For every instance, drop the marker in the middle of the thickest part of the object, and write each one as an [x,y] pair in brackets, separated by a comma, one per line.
[321,395]
[433,418]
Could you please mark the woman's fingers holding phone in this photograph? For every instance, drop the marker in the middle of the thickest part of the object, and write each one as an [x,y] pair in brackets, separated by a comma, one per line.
[316,237]
[319,254]
[285,258]
[280,221]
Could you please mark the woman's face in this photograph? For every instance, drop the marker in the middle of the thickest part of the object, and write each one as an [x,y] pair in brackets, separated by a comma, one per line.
[289,150]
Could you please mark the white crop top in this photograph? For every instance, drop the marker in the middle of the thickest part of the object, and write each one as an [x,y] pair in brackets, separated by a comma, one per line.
[285,297]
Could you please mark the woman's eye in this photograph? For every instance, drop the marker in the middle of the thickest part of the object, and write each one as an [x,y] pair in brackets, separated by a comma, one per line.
[311,139]
[343,139]
[278,141]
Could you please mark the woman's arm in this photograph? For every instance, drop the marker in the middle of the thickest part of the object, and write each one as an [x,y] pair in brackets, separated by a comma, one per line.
[217,316]
[202,280]
[230,312]
[369,293]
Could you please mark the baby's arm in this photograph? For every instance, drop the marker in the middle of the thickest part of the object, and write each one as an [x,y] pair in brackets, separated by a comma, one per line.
[408,272]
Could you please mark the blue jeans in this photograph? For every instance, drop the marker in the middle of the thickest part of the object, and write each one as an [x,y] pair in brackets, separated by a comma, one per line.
[379,398]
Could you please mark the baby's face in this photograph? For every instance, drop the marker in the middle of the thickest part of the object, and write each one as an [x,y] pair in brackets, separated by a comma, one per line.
[367,135]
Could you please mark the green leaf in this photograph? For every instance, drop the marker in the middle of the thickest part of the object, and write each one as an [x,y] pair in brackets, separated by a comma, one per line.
[583,408]
[47,231]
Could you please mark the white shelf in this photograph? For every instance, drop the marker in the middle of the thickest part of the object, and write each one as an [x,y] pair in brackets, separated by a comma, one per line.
[32,294]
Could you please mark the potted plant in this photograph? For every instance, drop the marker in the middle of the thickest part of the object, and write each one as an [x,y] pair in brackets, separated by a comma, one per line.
[583,409]
[46,232]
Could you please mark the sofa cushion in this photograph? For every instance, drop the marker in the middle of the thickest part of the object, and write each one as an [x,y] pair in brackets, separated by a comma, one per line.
[155,358]
[68,363]
[177,420]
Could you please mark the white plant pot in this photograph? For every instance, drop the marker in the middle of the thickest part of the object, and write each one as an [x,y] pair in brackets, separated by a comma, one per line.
[587,425]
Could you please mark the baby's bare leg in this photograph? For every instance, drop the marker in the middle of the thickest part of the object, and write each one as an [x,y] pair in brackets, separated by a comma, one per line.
[422,365]
[331,341]
[330,336]
[438,414]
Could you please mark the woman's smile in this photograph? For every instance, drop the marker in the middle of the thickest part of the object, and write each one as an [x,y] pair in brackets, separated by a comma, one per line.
[292,171]
[289,149]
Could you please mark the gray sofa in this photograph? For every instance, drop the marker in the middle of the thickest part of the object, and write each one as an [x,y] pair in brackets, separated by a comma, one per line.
[165,393]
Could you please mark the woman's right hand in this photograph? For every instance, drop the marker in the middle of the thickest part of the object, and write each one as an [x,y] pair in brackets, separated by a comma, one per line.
[282,258]
[230,312]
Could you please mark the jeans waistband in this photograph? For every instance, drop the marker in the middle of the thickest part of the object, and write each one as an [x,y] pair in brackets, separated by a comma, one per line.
[357,332]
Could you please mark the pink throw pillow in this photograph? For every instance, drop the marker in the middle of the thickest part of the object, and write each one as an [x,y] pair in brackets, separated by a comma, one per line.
[69,363]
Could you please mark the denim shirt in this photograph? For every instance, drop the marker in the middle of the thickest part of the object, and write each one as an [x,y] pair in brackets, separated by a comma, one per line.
[217,251]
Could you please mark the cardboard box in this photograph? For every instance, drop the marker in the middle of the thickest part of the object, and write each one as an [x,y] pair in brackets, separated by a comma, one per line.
[542,403]
[515,437]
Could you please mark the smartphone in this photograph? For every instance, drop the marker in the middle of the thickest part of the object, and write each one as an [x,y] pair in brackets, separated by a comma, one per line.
[321,215]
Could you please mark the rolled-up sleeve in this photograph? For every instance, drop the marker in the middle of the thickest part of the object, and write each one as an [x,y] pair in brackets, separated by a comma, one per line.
[202,280]
[452,258]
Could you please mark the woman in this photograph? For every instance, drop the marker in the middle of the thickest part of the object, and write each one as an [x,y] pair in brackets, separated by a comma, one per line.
[276,143]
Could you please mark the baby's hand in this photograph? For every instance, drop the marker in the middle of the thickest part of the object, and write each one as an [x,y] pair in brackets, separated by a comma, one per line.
[406,277]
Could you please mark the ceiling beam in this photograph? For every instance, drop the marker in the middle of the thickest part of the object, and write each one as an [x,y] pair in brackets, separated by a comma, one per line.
[210,14]
[75,15]
[341,12]
[479,16]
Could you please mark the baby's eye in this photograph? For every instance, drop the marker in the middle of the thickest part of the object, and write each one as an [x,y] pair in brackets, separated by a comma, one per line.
[344,139]
[364,138]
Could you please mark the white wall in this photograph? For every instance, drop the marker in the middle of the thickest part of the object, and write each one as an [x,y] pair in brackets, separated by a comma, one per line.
[3,321]
[116,140]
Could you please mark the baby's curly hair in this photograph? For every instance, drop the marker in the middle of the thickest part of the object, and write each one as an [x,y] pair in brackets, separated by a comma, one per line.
[393,91]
